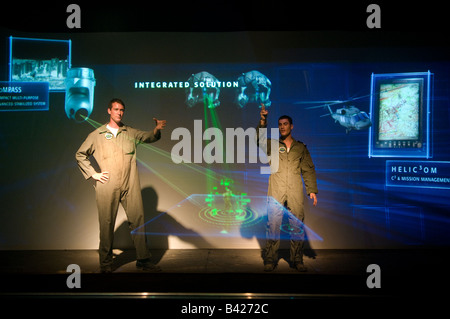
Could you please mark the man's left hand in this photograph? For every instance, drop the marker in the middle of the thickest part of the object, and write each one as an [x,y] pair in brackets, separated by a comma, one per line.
[313,196]
[160,124]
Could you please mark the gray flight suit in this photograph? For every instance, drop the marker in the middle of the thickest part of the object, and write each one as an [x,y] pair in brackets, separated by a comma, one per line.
[286,187]
[116,155]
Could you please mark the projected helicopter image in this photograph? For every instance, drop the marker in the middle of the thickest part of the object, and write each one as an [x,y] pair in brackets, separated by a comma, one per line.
[349,116]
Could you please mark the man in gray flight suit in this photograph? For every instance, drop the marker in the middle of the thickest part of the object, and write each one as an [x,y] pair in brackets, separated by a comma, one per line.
[286,187]
[113,146]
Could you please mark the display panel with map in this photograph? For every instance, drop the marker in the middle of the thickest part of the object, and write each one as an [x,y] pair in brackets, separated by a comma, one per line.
[399,112]
[400,109]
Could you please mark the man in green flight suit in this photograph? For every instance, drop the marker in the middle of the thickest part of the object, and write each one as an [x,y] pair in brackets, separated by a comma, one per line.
[113,145]
[286,188]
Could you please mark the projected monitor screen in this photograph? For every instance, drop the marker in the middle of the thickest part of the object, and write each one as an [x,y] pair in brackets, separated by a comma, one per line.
[401,107]
[40,60]
[399,115]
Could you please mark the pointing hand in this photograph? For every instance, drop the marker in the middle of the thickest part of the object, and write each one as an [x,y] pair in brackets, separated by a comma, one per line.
[160,124]
[263,112]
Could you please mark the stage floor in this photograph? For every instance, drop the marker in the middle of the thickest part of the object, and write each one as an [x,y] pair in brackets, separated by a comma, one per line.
[203,274]
[202,261]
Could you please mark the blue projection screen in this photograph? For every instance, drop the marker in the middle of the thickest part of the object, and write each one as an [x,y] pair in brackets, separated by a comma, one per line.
[209,100]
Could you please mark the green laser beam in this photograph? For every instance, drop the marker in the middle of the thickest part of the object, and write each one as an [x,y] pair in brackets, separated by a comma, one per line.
[199,169]
[210,174]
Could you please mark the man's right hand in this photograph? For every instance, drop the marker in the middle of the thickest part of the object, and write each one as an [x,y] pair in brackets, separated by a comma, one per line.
[264,114]
[101,177]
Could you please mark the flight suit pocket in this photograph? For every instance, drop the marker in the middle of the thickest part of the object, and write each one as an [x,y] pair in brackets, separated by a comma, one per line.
[128,146]
[130,151]
[108,150]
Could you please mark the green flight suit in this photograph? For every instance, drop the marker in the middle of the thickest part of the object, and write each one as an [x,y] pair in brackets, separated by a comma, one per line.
[286,187]
[116,155]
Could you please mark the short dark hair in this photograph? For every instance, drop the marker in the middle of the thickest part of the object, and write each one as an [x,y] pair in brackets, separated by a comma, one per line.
[115,100]
[287,117]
